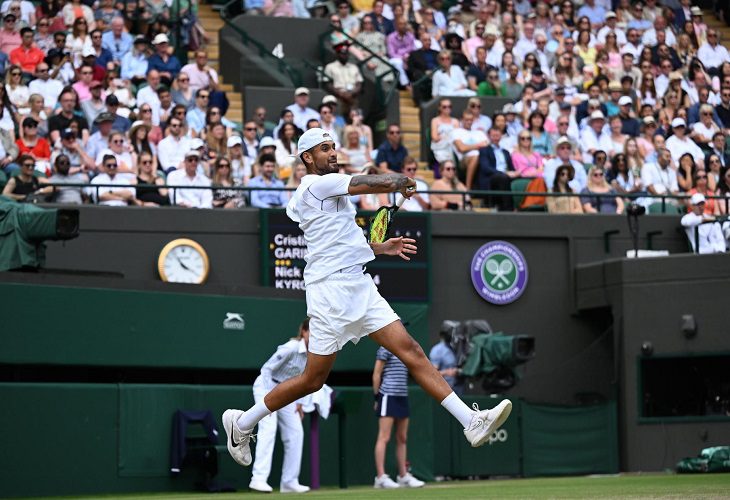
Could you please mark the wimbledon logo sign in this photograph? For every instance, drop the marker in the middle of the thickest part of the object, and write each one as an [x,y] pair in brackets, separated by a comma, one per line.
[499,272]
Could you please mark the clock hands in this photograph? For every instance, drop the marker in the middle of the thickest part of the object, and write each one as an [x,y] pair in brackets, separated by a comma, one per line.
[183,265]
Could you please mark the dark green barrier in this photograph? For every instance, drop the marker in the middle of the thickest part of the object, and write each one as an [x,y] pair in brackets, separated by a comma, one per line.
[562,441]
[104,327]
[454,456]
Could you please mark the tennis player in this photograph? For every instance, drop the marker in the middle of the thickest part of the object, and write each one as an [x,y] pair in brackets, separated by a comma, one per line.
[343,303]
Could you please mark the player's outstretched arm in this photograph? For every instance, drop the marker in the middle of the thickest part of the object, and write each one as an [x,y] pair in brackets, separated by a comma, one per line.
[382,183]
[400,247]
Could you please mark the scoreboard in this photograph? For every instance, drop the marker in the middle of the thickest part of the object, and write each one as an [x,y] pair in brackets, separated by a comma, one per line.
[283,250]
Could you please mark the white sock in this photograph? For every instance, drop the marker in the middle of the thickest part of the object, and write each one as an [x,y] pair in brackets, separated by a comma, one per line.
[458,409]
[250,418]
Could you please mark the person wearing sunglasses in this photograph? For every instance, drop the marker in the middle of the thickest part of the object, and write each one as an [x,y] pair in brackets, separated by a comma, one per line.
[115,189]
[25,184]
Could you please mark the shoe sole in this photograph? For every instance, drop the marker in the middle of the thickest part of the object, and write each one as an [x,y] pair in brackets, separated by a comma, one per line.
[227,420]
[506,409]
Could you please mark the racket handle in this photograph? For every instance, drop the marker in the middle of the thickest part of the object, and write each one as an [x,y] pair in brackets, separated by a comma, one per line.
[400,202]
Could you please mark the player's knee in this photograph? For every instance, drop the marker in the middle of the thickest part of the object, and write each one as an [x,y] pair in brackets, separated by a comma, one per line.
[413,350]
[315,383]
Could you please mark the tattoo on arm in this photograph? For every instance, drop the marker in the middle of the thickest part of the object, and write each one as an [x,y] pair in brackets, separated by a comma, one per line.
[383,183]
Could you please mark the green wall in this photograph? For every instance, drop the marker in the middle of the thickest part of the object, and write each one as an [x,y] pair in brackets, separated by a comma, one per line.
[105,327]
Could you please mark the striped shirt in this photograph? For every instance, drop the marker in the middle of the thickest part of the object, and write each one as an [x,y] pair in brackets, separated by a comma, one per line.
[394,380]
[288,361]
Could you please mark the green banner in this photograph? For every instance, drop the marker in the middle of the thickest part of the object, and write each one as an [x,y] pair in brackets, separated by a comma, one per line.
[105,327]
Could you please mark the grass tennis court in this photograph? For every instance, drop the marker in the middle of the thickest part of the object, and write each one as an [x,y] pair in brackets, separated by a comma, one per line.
[620,486]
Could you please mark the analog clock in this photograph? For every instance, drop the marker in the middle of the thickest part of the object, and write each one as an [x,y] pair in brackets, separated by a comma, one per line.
[183,261]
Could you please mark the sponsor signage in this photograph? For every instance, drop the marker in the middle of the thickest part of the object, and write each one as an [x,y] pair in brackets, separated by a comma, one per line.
[499,272]
[283,252]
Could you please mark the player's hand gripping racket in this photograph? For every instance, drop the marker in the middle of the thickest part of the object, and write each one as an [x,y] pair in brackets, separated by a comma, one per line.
[381,222]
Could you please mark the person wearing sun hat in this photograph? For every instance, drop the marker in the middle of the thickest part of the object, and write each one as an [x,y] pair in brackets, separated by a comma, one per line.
[680,143]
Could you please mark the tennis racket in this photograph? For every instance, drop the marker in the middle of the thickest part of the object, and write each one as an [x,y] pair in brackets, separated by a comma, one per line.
[381,222]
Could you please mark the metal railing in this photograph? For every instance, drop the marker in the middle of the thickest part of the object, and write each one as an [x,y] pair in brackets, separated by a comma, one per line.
[234,8]
[663,200]
[383,95]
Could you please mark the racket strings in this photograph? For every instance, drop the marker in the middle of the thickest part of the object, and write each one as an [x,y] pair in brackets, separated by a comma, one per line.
[378,227]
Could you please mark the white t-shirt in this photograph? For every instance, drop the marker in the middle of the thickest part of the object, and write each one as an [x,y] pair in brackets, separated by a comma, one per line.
[468,138]
[322,208]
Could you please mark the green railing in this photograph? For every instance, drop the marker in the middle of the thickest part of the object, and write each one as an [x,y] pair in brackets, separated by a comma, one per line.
[233,9]
[385,83]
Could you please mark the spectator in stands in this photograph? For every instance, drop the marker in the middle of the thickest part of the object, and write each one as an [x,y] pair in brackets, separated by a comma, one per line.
[27,55]
[110,195]
[391,153]
[442,127]
[266,179]
[25,184]
[149,192]
[263,126]
[449,79]
[355,119]
[357,153]
[117,41]
[37,147]
[196,116]
[382,23]
[139,142]
[189,177]
[679,143]
[167,64]
[286,146]
[66,117]
[43,37]
[9,37]
[449,182]
[300,109]
[102,56]
[495,171]
[126,164]
[74,150]
[66,195]
[401,43]
[241,166]
[693,112]
[135,63]
[600,204]
[422,63]
[121,123]
[8,152]
[16,91]
[172,149]
[719,148]
[621,177]
[327,123]
[561,184]
[705,128]
[345,79]
[96,105]
[659,178]
[527,162]
[47,87]
[702,229]
[712,54]
[420,200]
[467,141]
[700,179]
[564,156]
[202,76]
[222,197]
[594,138]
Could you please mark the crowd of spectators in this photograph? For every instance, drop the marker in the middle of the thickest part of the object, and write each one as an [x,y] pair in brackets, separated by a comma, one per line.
[607,99]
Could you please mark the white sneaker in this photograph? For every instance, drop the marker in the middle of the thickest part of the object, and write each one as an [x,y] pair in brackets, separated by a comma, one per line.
[385,482]
[261,486]
[239,442]
[485,422]
[408,481]
[293,488]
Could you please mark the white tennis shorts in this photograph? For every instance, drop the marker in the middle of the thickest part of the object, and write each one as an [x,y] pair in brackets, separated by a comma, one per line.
[345,306]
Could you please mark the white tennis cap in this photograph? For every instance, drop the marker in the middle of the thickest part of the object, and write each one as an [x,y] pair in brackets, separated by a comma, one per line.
[266,142]
[697,198]
[234,140]
[312,138]
[679,122]
[596,115]
[624,100]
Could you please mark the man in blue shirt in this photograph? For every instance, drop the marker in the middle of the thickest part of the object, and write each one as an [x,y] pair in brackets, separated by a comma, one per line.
[595,13]
[117,41]
[267,199]
[167,64]
[391,152]
[444,359]
[196,116]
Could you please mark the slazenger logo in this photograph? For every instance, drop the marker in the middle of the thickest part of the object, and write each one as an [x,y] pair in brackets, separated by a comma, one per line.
[498,437]
[234,321]
[499,272]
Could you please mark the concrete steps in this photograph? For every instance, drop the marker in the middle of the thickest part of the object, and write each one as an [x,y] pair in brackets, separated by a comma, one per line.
[212,23]
[410,126]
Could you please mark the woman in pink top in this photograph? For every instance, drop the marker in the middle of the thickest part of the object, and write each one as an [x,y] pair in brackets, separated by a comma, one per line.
[527,162]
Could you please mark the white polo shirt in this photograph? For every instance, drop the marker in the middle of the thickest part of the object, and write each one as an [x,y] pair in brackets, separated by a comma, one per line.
[321,206]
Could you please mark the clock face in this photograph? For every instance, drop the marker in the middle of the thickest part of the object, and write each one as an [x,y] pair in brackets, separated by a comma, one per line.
[185,264]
